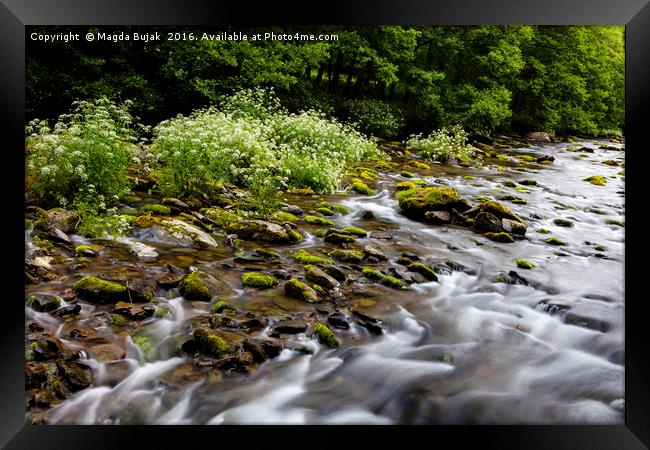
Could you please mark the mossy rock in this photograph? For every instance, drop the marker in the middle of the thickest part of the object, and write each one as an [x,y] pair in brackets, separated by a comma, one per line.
[528,183]
[259,280]
[87,250]
[404,186]
[63,219]
[600,248]
[360,187]
[116,319]
[162,312]
[418,164]
[302,256]
[297,289]
[43,302]
[563,222]
[522,263]
[510,184]
[367,175]
[416,202]
[375,275]
[521,189]
[325,335]
[352,256]
[596,180]
[543,231]
[368,215]
[611,162]
[356,231]
[372,274]
[338,238]
[554,241]
[615,222]
[283,216]
[220,306]
[324,211]
[502,237]
[210,344]
[341,209]
[526,158]
[423,270]
[320,277]
[266,253]
[406,174]
[519,201]
[199,285]
[260,230]
[313,220]
[146,346]
[307,191]
[499,211]
[94,289]
[159,210]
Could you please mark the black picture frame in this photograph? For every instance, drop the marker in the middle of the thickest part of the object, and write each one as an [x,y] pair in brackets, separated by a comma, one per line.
[16,14]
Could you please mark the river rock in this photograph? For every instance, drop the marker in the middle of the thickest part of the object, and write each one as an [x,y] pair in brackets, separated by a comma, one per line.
[513,227]
[174,232]
[374,252]
[202,286]
[62,219]
[438,217]
[416,202]
[143,251]
[538,136]
[594,315]
[297,289]
[318,276]
[293,209]
[141,290]
[107,352]
[260,230]
[67,310]
[135,312]
[49,347]
[290,326]
[176,203]
[44,302]
[338,320]
[486,221]
[94,289]
[59,236]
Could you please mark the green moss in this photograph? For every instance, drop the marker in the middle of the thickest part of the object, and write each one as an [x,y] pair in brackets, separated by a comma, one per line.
[156,209]
[193,286]
[87,250]
[500,211]
[543,231]
[521,189]
[266,253]
[563,222]
[423,270]
[614,222]
[210,344]
[324,211]
[116,319]
[368,215]
[610,162]
[510,184]
[600,248]
[554,241]
[258,280]
[297,289]
[325,335]
[502,237]
[337,238]
[420,200]
[596,180]
[482,199]
[283,216]
[420,183]
[219,306]
[394,283]
[406,174]
[418,164]
[304,257]
[360,187]
[372,274]
[145,221]
[307,191]
[93,288]
[522,263]
[341,209]
[146,346]
[528,183]
[404,185]
[526,158]
[519,201]
[313,220]
[356,231]
[404,261]
[367,175]
[353,256]
[321,232]
[162,313]
[294,237]
[318,288]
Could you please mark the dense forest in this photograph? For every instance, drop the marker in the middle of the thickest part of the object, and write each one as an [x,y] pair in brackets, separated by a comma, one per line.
[391,80]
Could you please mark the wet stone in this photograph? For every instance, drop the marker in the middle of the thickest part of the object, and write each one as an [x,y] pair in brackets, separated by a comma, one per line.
[290,326]
[338,320]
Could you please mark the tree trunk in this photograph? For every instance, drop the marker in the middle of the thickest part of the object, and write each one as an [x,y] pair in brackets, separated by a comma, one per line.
[334,83]
[319,76]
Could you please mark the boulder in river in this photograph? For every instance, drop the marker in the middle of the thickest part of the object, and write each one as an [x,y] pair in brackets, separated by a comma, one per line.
[302,291]
[174,232]
[261,230]
[201,286]
[98,290]
[538,136]
[62,219]
[486,221]
[318,276]
[44,302]
[416,202]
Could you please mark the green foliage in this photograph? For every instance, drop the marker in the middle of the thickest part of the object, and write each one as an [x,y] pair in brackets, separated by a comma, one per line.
[443,144]
[373,116]
[250,141]
[93,144]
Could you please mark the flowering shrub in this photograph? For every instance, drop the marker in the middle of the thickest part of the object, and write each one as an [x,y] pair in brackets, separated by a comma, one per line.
[250,140]
[91,145]
[443,144]
[375,117]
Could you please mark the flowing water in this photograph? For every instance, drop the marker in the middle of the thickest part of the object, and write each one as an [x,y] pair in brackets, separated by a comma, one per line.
[463,350]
